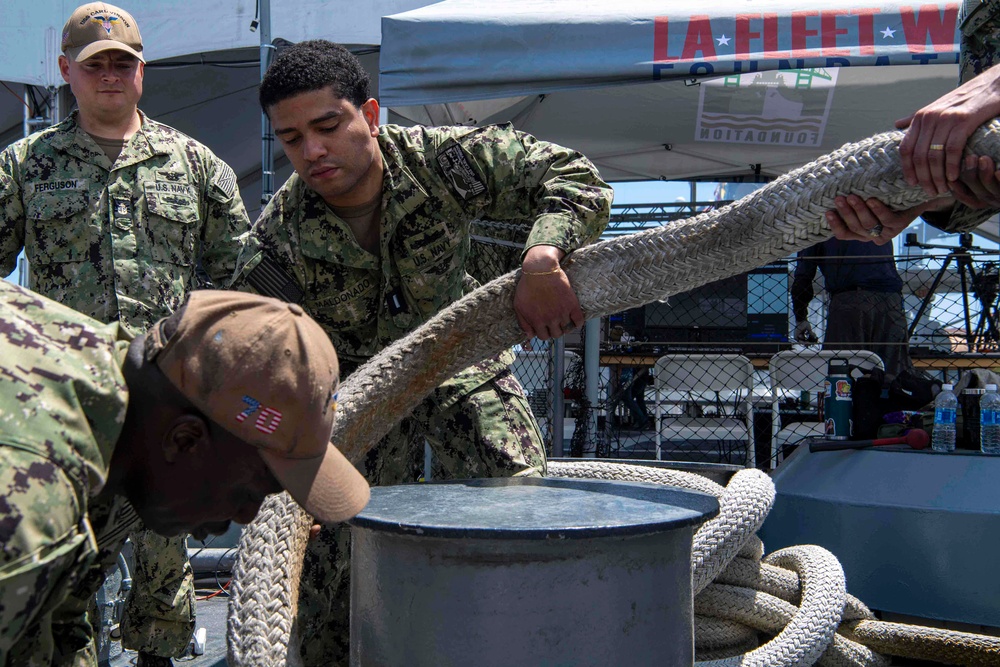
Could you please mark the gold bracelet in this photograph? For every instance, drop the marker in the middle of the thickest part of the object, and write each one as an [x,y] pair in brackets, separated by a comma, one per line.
[541,273]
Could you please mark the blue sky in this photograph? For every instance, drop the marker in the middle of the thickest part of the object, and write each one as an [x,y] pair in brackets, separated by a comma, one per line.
[656,192]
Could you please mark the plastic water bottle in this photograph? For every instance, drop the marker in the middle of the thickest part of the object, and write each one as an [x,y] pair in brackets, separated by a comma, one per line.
[945,412]
[989,421]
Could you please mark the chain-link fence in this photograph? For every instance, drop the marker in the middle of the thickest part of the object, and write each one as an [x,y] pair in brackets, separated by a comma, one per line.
[721,407]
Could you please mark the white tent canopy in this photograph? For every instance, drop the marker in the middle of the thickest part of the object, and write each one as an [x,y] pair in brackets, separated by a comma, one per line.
[670,90]
[31,45]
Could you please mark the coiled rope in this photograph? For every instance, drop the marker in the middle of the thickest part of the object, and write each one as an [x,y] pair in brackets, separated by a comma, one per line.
[774,222]
[798,594]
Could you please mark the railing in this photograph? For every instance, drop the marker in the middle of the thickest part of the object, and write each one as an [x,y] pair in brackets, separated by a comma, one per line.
[953,290]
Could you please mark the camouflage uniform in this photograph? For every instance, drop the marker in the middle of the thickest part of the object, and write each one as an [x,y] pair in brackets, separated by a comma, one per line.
[979,21]
[121,243]
[118,242]
[436,182]
[62,405]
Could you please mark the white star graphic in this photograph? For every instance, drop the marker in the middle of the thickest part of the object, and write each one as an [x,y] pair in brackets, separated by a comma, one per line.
[723,41]
[888,32]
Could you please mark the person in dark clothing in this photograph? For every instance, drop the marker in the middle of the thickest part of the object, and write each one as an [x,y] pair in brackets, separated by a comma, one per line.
[866,301]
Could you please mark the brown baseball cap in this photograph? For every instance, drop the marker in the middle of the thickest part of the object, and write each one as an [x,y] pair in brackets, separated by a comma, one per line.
[266,372]
[97,27]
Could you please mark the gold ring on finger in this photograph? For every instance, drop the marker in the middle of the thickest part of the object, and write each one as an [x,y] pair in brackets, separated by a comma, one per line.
[936,147]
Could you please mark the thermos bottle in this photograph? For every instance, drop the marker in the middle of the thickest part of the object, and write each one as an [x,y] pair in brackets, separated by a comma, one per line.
[838,401]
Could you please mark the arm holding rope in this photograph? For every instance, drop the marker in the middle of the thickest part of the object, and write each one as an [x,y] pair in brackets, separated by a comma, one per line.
[857,219]
[544,301]
[568,205]
[932,154]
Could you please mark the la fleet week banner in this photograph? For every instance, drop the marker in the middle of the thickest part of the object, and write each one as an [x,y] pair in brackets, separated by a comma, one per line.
[462,50]
[701,45]
[781,71]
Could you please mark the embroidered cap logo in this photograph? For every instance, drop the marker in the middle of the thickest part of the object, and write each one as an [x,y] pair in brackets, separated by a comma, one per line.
[107,22]
[268,419]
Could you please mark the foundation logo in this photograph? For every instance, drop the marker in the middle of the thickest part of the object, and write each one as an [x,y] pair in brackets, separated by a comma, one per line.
[106,22]
[777,108]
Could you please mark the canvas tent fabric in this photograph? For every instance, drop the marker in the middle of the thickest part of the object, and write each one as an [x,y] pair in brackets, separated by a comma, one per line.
[671,90]
[32,30]
[466,49]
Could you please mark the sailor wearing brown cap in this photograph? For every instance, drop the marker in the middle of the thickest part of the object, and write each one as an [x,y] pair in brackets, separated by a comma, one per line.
[115,213]
[189,427]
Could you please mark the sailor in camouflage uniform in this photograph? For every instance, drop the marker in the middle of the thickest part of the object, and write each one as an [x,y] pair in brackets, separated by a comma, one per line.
[97,433]
[371,235]
[968,188]
[114,212]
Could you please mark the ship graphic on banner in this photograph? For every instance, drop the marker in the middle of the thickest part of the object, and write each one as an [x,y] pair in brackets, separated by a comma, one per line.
[776,108]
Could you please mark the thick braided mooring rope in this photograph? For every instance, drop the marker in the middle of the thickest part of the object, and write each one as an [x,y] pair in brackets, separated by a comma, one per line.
[797,595]
[774,222]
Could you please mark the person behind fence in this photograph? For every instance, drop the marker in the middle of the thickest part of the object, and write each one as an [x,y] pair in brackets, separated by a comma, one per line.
[966,188]
[628,384]
[115,212]
[371,235]
[174,428]
[865,310]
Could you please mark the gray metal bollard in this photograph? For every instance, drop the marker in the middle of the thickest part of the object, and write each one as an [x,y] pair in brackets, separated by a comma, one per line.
[526,572]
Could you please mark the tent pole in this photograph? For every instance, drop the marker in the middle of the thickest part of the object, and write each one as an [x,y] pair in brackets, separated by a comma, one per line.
[267,135]
[592,373]
[558,351]
[34,120]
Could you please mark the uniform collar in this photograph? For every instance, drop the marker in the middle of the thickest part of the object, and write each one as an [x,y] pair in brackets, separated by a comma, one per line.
[144,144]
[323,234]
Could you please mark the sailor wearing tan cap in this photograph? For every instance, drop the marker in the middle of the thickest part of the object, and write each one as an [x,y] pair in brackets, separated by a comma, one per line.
[179,427]
[115,212]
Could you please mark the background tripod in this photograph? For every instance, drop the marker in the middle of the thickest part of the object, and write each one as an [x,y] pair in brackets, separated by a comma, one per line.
[985,337]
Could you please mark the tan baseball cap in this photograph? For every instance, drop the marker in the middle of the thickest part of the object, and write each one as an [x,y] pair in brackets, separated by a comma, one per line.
[266,372]
[97,27]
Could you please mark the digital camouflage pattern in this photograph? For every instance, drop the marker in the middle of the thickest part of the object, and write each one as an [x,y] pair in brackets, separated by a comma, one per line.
[62,406]
[121,242]
[72,623]
[979,22]
[437,181]
[159,612]
[118,242]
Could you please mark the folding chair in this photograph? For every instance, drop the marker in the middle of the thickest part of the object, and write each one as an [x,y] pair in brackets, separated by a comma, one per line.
[704,404]
[795,371]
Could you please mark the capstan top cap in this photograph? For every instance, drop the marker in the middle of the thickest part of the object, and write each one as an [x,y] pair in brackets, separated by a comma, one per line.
[97,27]
[266,372]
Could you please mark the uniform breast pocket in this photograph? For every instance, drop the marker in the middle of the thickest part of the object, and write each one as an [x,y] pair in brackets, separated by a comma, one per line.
[172,226]
[433,267]
[349,317]
[348,309]
[58,228]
